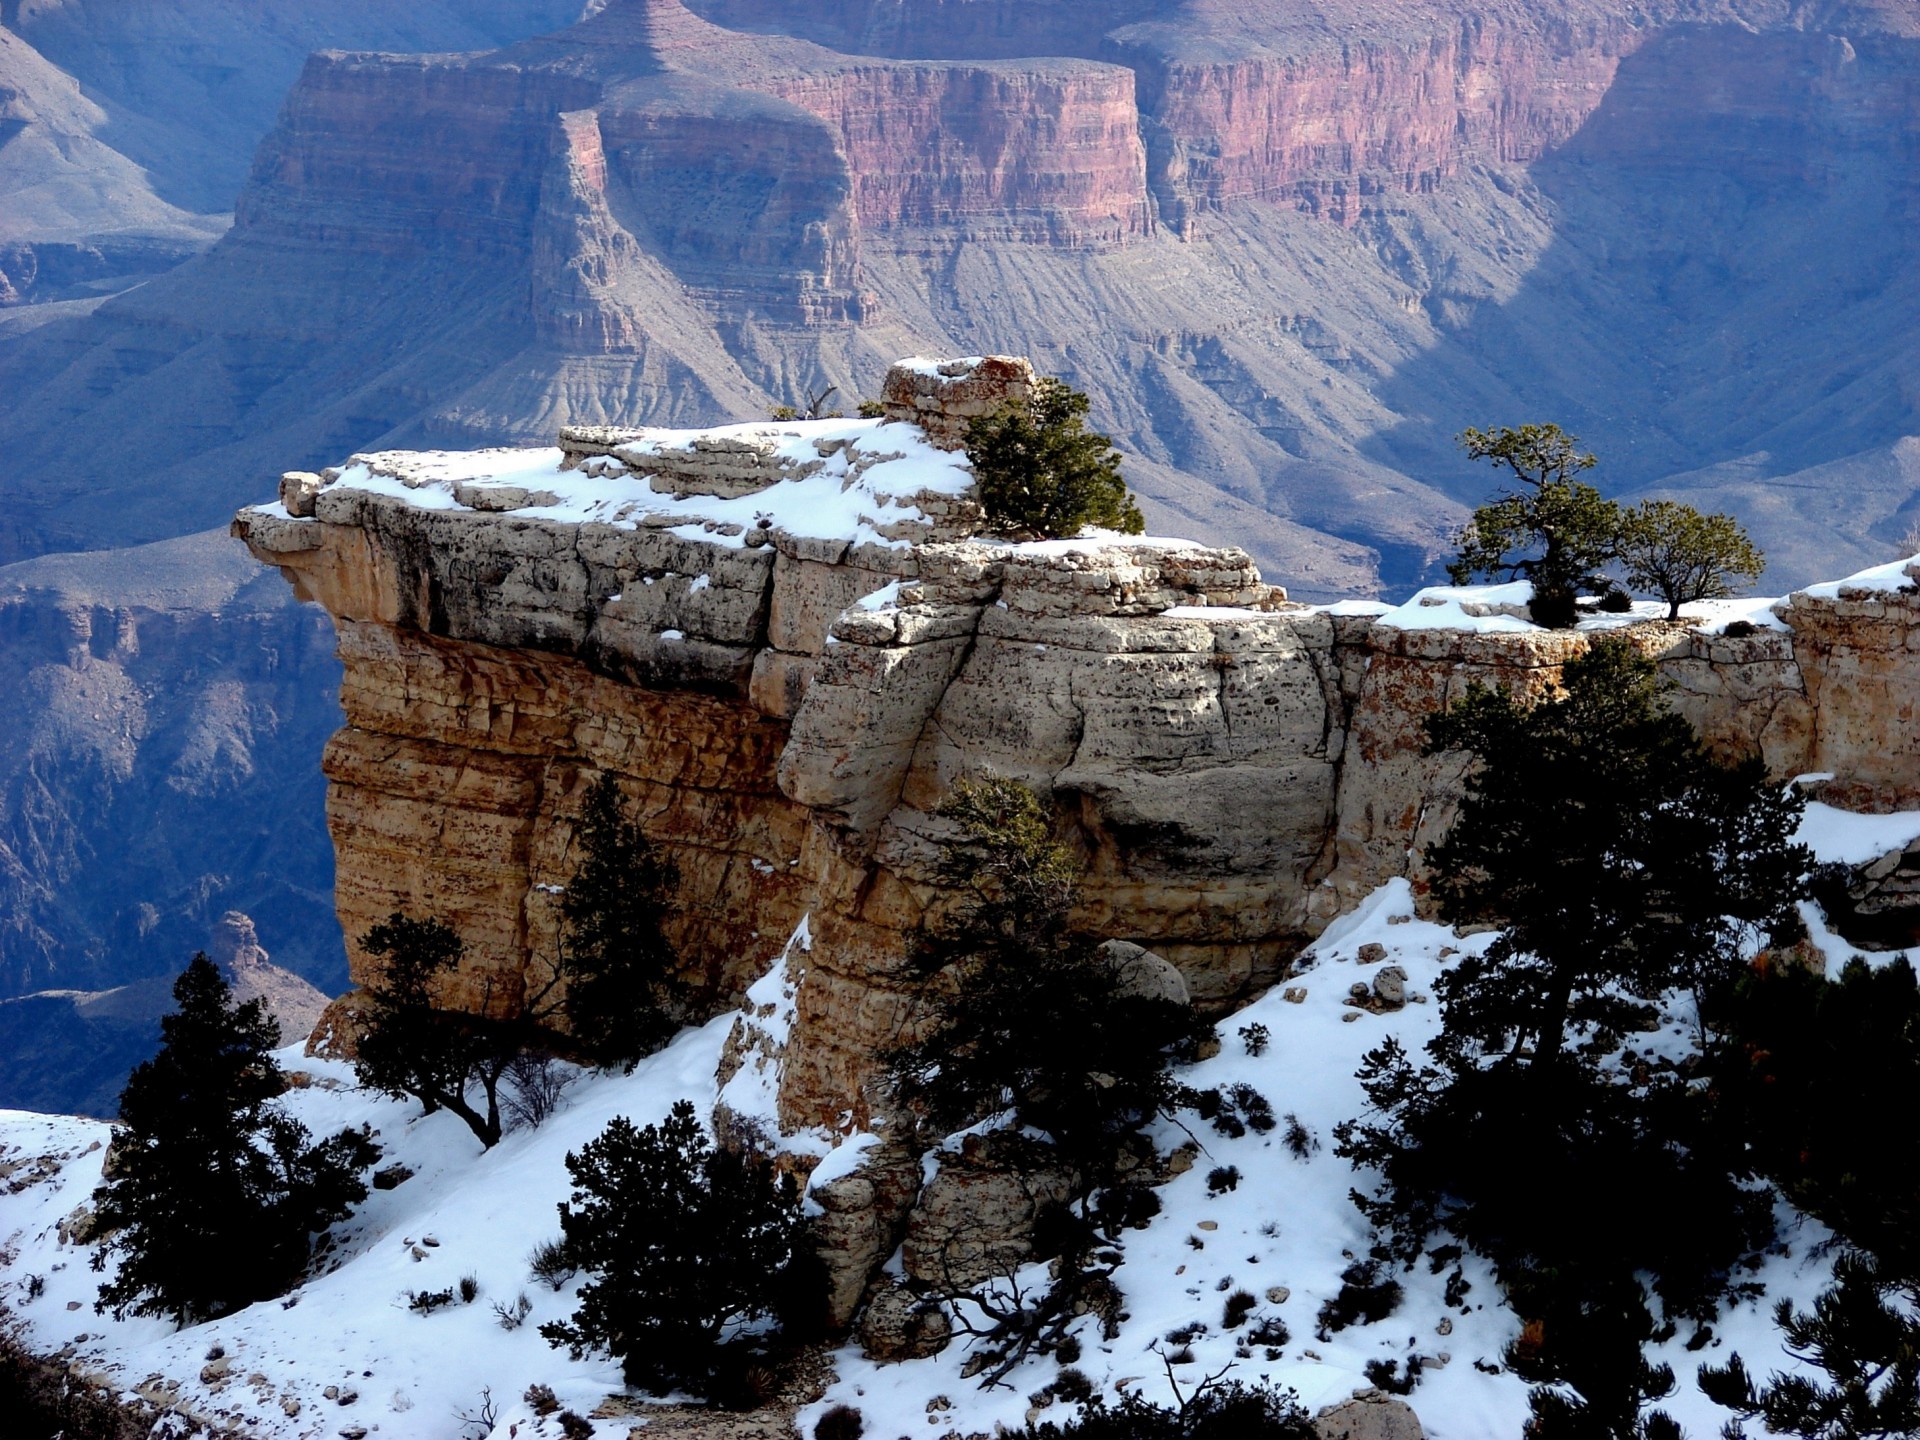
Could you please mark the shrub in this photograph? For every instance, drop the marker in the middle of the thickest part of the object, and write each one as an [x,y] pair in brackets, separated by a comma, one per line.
[1216,1411]
[872,409]
[842,1422]
[1682,556]
[469,1289]
[1255,1038]
[574,1426]
[1042,474]
[512,1317]
[536,1083]
[552,1263]
[1301,1142]
[685,1244]
[1223,1178]
[1239,1306]
[425,1302]
[541,1400]
[214,1197]
[1367,1293]
[1554,530]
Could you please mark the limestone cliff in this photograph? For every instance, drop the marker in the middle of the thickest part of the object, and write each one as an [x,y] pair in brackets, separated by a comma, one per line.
[780,640]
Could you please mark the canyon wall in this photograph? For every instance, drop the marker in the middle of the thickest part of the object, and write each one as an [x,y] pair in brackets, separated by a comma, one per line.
[786,695]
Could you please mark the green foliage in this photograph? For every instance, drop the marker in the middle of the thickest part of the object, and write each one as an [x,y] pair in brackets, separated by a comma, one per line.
[611,978]
[1043,474]
[1681,555]
[1864,1334]
[1003,967]
[1229,1411]
[684,1245]
[214,1197]
[620,993]
[1584,1353]
[1621,863]
[1555,531]
[409,1046]
[1807,1070]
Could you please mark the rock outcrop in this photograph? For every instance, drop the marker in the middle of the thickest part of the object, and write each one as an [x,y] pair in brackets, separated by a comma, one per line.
[777,641]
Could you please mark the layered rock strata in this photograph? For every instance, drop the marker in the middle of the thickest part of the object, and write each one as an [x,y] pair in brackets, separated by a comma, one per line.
[778,640]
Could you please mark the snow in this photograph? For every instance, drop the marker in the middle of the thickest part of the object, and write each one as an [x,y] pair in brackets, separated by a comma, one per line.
[1094,539]
[1214,612]
[1290,1223]
[1375,608]
[1884,579]
[463,1212]
[1487,609]
[869,479]
[1843,837]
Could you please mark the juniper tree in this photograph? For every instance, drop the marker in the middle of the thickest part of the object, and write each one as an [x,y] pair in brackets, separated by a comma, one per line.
[409,1045]
[684,1245]
[213,1197]
[1554,530]
[1621,863]
[1002,969]
[1043,474]
[1682,556]
[616,967]
[611,979]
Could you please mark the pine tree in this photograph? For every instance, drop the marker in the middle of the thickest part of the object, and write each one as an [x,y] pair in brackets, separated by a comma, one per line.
[1621,864]
[616,967]
[1555,531]
[1042,474]
[411,1046]
[1864,1334]
[684,1245]
[213,1197]
[1002,969]
[1682,556]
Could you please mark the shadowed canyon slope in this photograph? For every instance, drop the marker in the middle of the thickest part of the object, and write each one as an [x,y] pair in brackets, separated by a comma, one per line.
[1290,249]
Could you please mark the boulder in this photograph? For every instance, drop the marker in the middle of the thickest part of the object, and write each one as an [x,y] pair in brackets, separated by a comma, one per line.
[1139,973]
[901,1325]
[1369,1415]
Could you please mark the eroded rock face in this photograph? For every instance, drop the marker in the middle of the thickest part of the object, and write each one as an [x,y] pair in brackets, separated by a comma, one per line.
[785,712]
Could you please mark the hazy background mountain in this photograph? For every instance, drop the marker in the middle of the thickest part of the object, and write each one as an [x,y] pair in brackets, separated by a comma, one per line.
[1290,248]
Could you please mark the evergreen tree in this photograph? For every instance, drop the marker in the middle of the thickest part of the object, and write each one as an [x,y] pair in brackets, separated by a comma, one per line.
[1806,1071]
[616,967]
[1621,864]
[684,1244]
[1043,474]
[213,1197]
[1555,531]
[1682,556]
[410,1046]
[1003,968]
[1864,1334]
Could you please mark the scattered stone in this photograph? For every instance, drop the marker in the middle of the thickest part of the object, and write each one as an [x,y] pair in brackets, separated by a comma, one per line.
[1390,988]
[1372,953]
[1445,1327]
[1359,990]
[391,1177]
[1399,919]
[1278,1294]
[1294,994]
[1351,1016]
[1208,1225]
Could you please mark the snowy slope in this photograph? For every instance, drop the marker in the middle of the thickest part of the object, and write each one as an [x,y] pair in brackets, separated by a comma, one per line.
[1289,1225]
